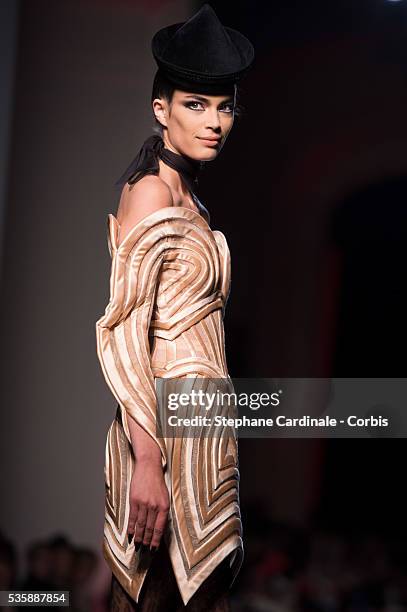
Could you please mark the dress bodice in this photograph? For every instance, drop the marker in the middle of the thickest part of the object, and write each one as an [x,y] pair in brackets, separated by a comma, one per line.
[195,270]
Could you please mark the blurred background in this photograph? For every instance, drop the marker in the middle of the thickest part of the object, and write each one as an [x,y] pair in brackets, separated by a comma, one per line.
[311,192]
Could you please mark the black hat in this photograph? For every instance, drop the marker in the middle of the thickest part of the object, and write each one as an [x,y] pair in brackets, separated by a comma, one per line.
[202,54]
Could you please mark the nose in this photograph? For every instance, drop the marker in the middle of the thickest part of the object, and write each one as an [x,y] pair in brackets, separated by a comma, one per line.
[213,119]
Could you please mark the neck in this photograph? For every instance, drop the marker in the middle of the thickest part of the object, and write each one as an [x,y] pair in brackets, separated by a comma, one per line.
[184,168]
[181,171]
[173,178]
[168,145]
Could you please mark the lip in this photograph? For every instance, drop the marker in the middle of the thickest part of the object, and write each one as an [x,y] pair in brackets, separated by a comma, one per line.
[210,141]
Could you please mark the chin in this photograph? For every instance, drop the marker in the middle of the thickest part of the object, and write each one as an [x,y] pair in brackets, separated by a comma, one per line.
[207,153]
[208,158]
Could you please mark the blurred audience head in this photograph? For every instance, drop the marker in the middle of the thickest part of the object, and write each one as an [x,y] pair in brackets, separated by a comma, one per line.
[8,563]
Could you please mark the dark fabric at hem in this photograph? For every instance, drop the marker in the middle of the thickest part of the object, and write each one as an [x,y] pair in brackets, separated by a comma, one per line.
[160,590]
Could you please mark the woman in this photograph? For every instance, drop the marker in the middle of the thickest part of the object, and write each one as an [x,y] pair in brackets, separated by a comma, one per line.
[172,518]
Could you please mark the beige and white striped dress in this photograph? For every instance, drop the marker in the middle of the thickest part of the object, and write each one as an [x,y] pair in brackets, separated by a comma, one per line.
[169,284]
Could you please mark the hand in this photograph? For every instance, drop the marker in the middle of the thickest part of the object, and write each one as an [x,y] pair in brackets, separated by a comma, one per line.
[149,504]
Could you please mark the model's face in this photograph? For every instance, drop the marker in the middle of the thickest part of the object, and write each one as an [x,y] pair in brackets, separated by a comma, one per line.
[191,119]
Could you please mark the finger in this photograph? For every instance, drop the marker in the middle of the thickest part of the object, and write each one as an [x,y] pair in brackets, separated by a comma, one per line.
[159,529]
[132,520]
[140,524]
[149,528]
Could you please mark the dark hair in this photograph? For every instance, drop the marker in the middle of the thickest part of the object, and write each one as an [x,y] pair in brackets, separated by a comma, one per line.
[163,88]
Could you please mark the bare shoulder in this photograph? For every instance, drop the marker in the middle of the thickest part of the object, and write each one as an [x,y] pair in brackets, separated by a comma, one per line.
[143,198]
[150,193]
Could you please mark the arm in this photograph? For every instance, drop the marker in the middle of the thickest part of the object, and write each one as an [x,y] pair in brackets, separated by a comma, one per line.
[143,198]
[123,350]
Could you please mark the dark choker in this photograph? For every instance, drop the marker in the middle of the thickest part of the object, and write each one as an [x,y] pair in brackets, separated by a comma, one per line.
[146,162]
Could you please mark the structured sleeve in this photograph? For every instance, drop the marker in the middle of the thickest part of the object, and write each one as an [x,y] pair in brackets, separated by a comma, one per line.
[122,333]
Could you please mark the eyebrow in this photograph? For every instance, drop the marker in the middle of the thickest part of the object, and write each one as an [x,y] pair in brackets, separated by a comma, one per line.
[203,99]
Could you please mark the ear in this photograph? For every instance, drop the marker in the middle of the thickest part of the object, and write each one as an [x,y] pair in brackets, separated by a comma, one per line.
[160,111]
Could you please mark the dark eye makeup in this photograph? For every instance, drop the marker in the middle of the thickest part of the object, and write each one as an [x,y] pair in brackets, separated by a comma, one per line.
[191,104]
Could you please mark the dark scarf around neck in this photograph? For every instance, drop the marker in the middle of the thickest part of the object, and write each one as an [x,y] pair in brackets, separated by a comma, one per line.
[146,162]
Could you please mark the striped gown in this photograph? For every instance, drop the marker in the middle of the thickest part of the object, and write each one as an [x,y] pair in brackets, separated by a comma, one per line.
[169,285]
